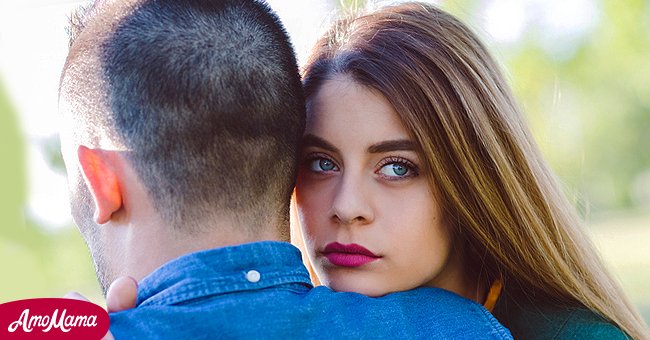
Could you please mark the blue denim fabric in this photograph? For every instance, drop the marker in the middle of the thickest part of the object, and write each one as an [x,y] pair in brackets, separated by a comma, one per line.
[217,294]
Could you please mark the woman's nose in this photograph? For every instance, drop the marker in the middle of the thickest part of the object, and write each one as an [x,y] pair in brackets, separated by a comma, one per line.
[350,205]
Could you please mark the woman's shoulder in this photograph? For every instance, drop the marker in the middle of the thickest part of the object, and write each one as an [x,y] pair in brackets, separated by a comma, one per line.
[531,318]
[582,321]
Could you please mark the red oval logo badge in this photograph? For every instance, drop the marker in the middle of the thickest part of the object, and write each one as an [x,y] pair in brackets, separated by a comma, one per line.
[52,318]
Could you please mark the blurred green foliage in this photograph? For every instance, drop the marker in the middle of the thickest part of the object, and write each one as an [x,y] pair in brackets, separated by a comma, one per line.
[350,6]
[590,112]
[33,261]
[12,173]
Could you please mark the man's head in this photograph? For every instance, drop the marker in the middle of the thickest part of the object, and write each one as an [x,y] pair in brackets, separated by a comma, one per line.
[200,99]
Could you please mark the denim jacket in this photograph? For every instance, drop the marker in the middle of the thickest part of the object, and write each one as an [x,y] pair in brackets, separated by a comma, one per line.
[262,290]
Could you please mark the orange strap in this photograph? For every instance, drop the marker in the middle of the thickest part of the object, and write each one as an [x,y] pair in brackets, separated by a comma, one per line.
[493,295]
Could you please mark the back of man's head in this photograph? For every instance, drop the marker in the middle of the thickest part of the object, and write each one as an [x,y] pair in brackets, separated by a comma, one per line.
[203,97]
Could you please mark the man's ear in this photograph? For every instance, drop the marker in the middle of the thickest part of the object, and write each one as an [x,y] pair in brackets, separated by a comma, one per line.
[99,172]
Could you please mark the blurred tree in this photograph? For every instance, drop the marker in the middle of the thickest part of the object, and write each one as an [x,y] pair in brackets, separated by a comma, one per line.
[34,262]
[591,111]
[351,6]
[12,174]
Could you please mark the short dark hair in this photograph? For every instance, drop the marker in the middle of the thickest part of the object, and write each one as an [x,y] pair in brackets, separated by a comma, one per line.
[207,98]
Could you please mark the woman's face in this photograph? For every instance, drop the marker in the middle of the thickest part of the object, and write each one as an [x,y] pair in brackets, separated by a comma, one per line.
[370,221]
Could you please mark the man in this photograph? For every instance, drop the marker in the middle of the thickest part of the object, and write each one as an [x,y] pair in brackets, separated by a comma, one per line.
[183,120]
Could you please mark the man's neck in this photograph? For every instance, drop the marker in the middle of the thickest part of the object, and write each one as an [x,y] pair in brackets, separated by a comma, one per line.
[150,248]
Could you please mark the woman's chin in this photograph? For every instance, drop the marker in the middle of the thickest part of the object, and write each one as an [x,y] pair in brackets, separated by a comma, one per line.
[372,289]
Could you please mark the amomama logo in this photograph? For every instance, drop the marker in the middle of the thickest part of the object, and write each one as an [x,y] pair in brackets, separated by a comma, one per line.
[52,319]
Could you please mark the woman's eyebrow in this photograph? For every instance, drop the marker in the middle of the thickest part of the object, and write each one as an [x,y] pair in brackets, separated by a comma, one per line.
[313,140]
[392,145]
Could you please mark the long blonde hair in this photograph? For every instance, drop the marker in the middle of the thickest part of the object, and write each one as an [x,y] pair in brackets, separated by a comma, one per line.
[509,213]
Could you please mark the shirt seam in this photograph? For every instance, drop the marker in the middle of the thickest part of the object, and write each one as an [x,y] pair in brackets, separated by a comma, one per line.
[492,321]
[202,288]
[561,328]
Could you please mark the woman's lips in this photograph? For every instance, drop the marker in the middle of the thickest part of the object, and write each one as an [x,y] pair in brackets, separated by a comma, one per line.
[348,255]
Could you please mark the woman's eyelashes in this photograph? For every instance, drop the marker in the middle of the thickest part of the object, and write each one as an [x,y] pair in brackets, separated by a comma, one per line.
[396,168]
[319,163]
[391,168]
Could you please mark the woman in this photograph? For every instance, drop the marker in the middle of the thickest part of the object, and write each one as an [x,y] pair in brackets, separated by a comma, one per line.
[420,171]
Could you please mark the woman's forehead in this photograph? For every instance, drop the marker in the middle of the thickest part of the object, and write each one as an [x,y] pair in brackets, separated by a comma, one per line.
[346,113]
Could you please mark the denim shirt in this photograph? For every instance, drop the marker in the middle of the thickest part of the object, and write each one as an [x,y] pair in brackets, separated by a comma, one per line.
[262,290]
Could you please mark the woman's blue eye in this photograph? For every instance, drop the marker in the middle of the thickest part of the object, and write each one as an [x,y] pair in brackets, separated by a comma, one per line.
[322,164]
[395,170]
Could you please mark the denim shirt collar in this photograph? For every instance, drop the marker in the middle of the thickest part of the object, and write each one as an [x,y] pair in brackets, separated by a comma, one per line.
[224,270]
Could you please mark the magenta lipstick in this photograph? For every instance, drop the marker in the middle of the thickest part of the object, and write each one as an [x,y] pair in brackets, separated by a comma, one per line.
[348,255]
